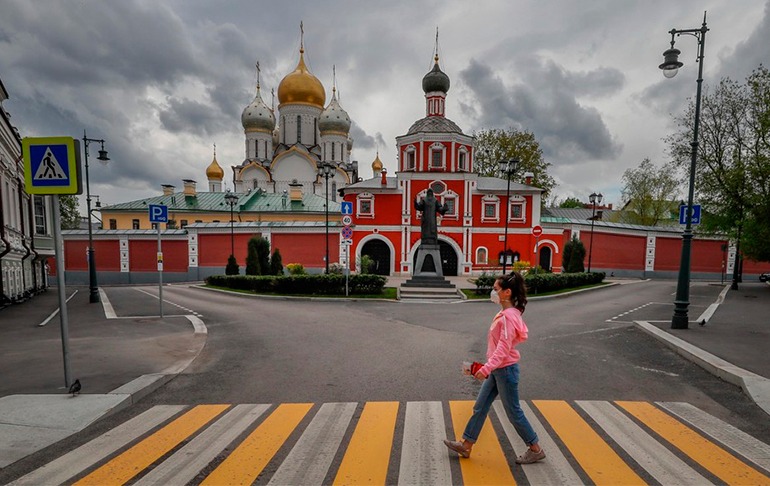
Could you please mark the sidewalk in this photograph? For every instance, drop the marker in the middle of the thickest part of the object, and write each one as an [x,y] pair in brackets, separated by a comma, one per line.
[733,343]
[117,361]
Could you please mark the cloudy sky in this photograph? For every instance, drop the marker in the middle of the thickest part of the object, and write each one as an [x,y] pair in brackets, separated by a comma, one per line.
[162,82]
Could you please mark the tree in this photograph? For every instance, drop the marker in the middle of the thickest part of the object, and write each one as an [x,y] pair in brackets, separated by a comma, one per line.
[571,202]
[495,145]
[232,267]
[252,260]
[276,263]
[648,193]
[732,175]
[573,256]
[69,210]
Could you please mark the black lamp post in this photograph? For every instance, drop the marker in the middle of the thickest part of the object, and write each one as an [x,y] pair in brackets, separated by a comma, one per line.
[593,198]
[670,67]
[326,172]
[231,200]
[507,167]
[93,288]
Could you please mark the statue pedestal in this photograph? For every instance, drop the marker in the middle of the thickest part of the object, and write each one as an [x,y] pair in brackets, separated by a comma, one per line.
[428,267]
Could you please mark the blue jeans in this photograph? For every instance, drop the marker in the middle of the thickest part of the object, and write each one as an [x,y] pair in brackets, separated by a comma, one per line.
[503,381]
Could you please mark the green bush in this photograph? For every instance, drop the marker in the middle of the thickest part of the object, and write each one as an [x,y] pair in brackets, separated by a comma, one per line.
[232,267]
[542,281]
[276,263]
[573,256]
[322,284]
[367,264]
[296,269]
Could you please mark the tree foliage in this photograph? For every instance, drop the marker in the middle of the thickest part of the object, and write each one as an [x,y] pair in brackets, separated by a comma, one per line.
[732,177]
[571,202]
[276,263]
[69,210]
[573,256]
[232,267]
[649,193]
[258,257]
[494,145]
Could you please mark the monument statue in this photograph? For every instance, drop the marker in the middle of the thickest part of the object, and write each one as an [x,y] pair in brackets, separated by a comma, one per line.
[429,207]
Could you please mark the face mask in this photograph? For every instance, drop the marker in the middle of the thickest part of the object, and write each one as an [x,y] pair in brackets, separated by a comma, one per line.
[494,297]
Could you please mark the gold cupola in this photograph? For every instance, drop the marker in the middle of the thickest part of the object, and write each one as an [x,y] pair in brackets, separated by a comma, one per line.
[300,86]
[214,171]
[377,164]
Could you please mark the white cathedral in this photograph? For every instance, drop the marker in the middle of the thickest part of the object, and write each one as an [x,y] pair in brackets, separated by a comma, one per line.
[292,151]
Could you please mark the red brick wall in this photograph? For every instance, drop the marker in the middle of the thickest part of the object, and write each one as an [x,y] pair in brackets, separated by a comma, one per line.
[308,249]
[214,249]
[142,255]
[614,251]
[106,254]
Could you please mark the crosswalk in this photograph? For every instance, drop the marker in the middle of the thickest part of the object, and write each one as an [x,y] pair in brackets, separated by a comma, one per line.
[587,442]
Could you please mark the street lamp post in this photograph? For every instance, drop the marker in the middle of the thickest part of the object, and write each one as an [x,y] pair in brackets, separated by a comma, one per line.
[670,67]
[93,288]
[326,172]
[507,167]
[231,200]
[594,198]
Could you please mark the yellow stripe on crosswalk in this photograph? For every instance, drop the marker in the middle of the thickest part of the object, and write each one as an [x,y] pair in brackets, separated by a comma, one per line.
[597,459]
[368,454]
[709,455]
[487,464]
[130,463]
[249,459]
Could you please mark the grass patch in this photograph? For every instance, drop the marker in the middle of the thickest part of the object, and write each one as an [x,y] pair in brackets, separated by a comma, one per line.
[387,293]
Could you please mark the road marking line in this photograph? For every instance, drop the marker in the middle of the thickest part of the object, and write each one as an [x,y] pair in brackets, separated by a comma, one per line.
[136,459]
[424,460]
[249,459]
[594,455]
[166,301]
[187,462]
[85,456]
[658,461]
[709,455]
[737,440]
[198,325]
[368,453]
[555,469]
[310,459]
[48,319]
[109,312]
[488,464]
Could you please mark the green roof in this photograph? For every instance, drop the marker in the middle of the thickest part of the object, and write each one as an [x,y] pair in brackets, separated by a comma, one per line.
[254,201]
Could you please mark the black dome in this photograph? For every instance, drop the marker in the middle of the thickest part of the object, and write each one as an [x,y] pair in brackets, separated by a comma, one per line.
[435,80]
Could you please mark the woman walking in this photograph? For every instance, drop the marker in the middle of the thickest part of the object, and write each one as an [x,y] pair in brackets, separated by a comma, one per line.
[500,373]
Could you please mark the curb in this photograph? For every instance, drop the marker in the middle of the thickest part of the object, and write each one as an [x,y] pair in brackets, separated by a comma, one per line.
[756,387]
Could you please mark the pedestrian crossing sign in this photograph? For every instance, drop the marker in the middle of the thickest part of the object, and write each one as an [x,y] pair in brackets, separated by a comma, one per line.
[52,165]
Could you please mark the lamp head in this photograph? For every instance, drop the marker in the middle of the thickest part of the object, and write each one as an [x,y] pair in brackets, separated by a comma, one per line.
[671,62]
[508,167]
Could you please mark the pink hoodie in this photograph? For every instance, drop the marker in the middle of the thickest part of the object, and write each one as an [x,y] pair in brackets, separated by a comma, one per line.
[508,329]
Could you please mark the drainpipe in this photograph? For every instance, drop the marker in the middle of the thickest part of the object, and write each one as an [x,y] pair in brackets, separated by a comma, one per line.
[35,254]
[3,298]
[23,240]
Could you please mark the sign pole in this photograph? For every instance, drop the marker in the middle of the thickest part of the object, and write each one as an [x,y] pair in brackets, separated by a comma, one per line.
[347,268]
[160,273]
[63,316]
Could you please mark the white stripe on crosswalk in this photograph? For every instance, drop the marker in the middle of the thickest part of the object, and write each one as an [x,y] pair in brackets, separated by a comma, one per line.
[658,461]
[187,462]
[310,459]
[555,470]
[737,440]
[85,456]
[424,459]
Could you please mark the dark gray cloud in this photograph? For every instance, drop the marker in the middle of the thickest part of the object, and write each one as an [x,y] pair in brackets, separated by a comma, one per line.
[544,102]
[365,141]
[190,116]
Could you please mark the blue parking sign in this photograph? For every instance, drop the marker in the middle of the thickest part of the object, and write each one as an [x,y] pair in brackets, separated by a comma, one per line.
[694,218]
[158,213]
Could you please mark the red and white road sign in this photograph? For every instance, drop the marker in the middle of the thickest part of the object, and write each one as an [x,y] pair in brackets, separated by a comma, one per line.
[537,231]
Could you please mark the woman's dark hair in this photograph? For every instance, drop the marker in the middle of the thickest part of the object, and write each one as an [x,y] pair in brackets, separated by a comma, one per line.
[515,282]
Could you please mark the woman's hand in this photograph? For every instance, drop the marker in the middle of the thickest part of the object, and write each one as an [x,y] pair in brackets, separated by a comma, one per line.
[480,376]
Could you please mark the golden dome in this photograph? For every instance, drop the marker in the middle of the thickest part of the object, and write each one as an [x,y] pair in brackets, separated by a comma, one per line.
[377,164]
[214,171]
[300,86]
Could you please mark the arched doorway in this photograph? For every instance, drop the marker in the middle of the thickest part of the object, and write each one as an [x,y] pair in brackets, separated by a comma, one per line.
[448,259]
[545,258]
[379,252]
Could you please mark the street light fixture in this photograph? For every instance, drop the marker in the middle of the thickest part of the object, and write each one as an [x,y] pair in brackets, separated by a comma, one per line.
[231,200]
[593,198]
[326,172]
[93,288]
[670,67]
[507,167]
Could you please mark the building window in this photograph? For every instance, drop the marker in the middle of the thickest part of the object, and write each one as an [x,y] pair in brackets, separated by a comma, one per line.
[198,220]
[438,187]
[490,211]
[436,158]
[113,224]
[135,223]
[481,256]
[451,203]
[461,161]
[183,223]
[410,157]
[366,205]
[299,129]
[333,146]
[517,211]
[40,222]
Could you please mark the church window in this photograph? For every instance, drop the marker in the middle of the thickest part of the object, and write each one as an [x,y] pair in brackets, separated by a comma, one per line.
[315,131]
[461,161]
[410,156]
[334,191]
[135,224]
[436,158]
[283,125]
[366,205]
[333,154]
[517,211]
[451,203]
[113,224]
[490,211]
[299,129]
[438,187]
[481,255]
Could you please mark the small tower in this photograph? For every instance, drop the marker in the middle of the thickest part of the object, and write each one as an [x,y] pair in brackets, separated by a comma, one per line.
[258,125]
[334,126]
[376,165]
[215,174]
